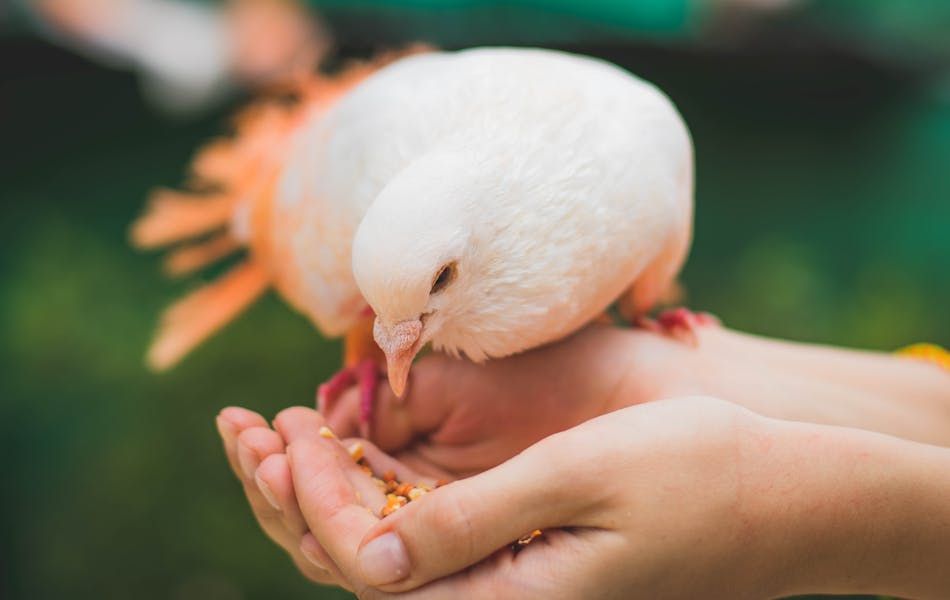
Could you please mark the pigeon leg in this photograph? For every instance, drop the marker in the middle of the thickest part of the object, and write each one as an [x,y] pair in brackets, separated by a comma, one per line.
[330,391]
[368,374]
[361,367]
[680,323]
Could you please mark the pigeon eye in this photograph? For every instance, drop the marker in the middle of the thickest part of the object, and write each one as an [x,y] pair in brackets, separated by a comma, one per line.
[444,278]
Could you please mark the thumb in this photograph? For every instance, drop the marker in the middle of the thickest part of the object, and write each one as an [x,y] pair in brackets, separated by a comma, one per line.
[460,524]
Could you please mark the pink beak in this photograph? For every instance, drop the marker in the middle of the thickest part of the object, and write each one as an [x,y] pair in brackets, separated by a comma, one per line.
[400,343]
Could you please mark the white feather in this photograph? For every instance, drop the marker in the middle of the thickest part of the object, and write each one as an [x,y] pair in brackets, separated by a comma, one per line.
[555,181]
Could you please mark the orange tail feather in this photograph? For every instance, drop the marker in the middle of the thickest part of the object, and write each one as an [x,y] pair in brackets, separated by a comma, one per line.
[241,169]
[175,216]
[192,319]
[189,259]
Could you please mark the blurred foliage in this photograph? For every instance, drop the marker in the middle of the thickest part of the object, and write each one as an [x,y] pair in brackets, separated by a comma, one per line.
[822,215]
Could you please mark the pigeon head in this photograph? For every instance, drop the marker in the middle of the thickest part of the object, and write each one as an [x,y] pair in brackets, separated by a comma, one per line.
[471,253]
[414,260]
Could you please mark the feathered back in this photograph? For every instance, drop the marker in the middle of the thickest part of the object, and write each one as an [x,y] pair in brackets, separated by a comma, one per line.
[226,205]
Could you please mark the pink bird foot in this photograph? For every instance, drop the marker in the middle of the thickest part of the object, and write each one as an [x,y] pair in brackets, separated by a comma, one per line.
[366,374]
[680,323]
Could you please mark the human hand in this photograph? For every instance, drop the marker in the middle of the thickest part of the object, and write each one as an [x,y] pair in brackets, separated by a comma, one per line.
[675,499]
[520,399]
[255,453]
[462,418]
[458,419]
[625,500]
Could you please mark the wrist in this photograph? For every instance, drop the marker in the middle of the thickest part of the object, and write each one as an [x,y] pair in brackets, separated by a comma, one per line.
[865,390]
[855,512]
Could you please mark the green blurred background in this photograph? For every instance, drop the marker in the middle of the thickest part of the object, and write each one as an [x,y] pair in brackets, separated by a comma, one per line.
[823,149]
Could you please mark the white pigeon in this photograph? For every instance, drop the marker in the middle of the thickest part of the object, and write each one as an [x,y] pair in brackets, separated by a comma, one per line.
[485,202]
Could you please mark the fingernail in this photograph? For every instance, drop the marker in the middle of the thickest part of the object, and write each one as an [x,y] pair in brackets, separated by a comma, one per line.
[384,560]
[224,429]
[305,550]
[266,492]
[247,458]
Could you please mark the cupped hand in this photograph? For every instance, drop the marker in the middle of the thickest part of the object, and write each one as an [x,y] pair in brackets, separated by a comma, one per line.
[682,498]
[255,453]
[460,418]
[626,501]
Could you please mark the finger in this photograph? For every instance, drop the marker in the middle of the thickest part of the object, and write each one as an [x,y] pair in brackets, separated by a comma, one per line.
[315,573]
[397,422]
[329,502]
[560,564]
[317,557]
[273,478]
[275,483]
[462,523]
[414,461]
[248,443]
[382,463]
[298,423]
[344,416]
[281,520]
[231,422]
[446,395]
[272,523]
[254,445]
[269,515]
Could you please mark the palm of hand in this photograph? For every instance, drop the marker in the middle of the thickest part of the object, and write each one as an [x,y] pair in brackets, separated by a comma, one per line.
[594,528]
[461,419]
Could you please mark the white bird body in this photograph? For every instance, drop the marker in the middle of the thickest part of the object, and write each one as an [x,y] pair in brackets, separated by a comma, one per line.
[555,182]
[596,187]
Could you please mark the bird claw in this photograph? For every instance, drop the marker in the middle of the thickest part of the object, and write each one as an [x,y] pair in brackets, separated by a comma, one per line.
[679,323]
[366,374]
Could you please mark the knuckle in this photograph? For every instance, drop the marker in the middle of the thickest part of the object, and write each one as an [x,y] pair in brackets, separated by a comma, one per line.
[273,469]
[240,417]
[257,437]
[295,413]
[450,520]
[263,511]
